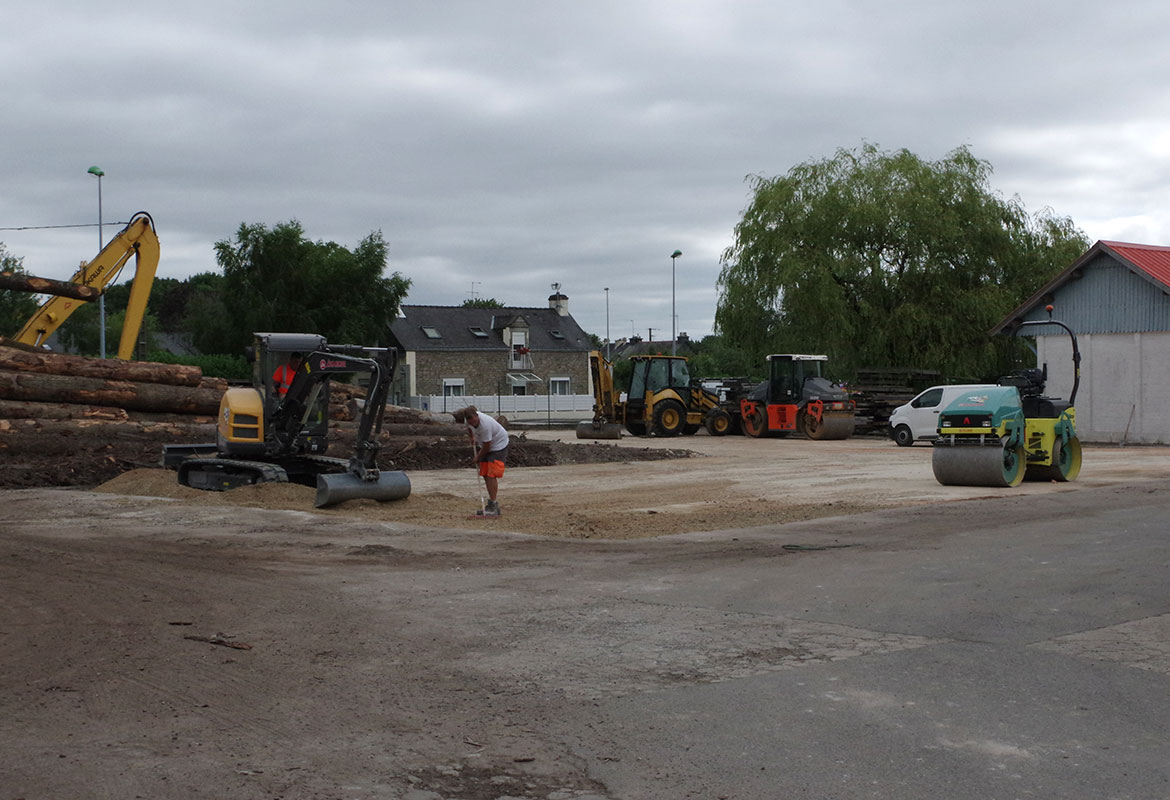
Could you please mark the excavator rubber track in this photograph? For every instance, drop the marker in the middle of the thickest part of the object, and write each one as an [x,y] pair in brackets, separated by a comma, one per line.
[224,474]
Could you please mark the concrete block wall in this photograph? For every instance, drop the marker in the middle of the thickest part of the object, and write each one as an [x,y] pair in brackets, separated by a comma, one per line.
[1125,384]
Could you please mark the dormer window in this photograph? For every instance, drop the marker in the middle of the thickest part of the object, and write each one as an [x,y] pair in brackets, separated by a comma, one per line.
[431,332]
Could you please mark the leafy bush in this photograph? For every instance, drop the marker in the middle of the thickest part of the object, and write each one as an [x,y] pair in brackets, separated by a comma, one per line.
[216,365]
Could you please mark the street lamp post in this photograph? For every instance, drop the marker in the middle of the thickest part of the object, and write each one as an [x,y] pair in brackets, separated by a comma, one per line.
[673,318]
[607,350]
[101,244]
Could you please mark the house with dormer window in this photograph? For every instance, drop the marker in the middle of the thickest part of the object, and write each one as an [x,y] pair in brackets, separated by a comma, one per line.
[459,351]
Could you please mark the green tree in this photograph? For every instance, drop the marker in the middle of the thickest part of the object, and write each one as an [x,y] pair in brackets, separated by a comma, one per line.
[717,357]
[882,259]
[205,316]
[277,280]
[15,307]
[81,333]
[481,302]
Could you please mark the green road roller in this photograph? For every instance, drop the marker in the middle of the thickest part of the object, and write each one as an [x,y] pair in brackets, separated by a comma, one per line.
[1003,435]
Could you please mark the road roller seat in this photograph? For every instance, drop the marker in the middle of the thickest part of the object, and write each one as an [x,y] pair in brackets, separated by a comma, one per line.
[1036,407]
[1028,381]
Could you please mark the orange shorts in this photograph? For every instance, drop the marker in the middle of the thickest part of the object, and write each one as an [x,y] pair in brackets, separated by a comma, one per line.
[491,469]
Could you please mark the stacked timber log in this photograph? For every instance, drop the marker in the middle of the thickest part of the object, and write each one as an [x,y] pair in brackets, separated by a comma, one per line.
[64,394]
[52,393]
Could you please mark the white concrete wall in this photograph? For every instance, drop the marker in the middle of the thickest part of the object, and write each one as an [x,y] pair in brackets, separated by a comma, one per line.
[1125,384]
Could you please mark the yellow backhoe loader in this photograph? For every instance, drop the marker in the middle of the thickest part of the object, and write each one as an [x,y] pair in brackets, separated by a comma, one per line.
[662,400]
[137,240]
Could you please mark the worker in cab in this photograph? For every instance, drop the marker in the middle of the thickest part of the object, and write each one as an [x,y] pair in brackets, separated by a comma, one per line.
[283,377]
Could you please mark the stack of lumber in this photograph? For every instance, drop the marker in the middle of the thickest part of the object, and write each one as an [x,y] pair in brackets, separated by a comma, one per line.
[53,392]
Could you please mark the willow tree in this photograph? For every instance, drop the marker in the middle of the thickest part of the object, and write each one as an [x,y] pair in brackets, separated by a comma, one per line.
[881,259]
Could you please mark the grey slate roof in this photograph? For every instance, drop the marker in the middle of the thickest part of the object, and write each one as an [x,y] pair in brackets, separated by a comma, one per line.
[454,324]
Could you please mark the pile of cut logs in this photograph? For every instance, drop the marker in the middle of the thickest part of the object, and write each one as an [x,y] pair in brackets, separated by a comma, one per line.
[48,392]
[55,392]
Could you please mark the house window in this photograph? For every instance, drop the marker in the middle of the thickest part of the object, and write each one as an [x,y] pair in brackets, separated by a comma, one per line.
[478,333]
[556,334]
[519,381]
[431,332]
[520,349]
[559,386]
[453,387]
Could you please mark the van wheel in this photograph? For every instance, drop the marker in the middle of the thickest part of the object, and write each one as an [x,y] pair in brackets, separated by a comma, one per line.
[903,436]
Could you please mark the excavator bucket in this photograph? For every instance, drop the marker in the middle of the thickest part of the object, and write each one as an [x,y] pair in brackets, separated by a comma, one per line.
[594,430]
[337,487]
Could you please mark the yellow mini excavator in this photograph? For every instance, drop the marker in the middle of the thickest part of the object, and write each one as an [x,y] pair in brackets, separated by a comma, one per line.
[264,436]
[137,240]
[662,400]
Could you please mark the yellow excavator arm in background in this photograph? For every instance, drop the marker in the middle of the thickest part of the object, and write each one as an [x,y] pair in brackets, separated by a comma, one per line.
[137,239]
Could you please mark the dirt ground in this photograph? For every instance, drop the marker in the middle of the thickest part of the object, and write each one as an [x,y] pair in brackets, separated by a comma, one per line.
[639,487]
[165,643]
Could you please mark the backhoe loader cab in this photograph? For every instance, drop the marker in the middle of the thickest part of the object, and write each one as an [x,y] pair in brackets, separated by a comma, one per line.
[798,397]
[652,377]
[662,399]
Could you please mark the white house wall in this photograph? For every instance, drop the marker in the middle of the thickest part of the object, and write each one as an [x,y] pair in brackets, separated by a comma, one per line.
[1125,380]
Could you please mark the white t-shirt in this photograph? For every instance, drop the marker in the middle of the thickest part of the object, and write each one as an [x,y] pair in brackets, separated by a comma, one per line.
[489,430]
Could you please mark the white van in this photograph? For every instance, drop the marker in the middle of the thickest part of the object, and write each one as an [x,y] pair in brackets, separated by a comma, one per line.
[918,419]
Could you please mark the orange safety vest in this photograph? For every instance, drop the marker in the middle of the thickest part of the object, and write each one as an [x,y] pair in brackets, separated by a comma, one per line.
[283,378]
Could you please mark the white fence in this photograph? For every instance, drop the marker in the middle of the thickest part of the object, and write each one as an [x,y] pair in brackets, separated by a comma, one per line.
[521,407]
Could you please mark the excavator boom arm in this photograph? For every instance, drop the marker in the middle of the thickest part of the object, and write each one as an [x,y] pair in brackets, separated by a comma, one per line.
[319,366]
[138,240]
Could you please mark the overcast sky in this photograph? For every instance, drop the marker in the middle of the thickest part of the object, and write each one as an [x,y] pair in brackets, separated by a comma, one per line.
[502,147]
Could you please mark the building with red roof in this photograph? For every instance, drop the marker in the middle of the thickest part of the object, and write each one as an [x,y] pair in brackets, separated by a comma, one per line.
[1116,298]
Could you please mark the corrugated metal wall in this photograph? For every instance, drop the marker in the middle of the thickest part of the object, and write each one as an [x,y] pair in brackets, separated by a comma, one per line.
[1108,298]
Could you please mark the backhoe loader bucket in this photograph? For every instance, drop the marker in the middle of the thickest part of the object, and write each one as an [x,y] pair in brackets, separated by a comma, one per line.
[338,487]
[593,430]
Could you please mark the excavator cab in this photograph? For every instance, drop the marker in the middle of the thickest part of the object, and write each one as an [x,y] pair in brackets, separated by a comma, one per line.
[275,350]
